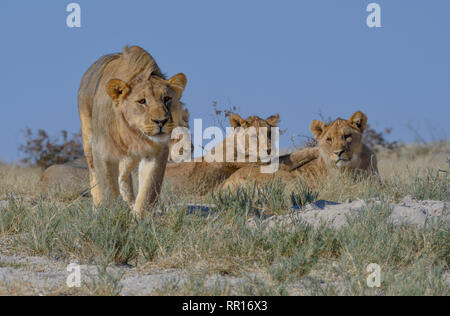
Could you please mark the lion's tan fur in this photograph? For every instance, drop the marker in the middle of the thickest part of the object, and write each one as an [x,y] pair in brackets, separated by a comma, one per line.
[287,165]
[125,123]
[340,149]
[204,176]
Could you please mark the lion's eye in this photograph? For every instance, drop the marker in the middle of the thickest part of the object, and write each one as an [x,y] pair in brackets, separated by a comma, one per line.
[167,101]
[143,101]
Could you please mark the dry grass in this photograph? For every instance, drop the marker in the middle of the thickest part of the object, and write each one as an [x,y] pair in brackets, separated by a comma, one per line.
[19,181]
[412,170]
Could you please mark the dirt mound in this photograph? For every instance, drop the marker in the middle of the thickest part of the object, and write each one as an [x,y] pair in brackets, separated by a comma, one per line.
[409,211]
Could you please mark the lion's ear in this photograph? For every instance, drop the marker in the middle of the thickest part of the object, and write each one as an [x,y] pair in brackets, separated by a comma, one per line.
[236,121]
[273,120]
[117,90]
[186,115]
[317,128]
[178,83]
[358,121]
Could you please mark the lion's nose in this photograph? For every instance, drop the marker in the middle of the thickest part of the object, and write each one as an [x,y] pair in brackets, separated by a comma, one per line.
[339,152]
[161,123]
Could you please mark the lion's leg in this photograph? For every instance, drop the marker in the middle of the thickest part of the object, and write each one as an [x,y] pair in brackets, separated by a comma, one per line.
[86,133]
[106,174]
[151,174]
[126,166]
[312,173]
[93,183]
[94,187]
[300,158]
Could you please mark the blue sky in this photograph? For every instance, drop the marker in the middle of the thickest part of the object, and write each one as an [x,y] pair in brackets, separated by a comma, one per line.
[295,58]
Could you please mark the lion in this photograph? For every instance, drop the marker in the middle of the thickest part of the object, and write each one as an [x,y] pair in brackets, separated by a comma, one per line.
[128,110]
[340,148]
[73,177]
[70,178]
[205,175]
[287,165]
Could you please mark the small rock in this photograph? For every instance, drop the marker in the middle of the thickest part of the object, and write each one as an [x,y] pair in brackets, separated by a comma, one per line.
[414,212]
[316,214]
[409,212]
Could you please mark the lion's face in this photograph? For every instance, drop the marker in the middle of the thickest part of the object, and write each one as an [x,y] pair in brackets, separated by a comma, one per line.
[340,141]
[150,106]
[254,127]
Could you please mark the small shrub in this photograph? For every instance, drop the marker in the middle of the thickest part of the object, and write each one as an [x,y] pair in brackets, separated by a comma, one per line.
[303,195]
[12,217]
[375,139]
[253,199]
[42,227]
[271,195]
[146,239]
[239,200]
[106,282]
[268,197]
[256,286]
[109,232]
[220,116]
[434,185]
[289,268]
[43,151]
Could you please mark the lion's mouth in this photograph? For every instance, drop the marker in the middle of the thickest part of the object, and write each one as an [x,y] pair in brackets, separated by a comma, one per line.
[160,136]
[341,162]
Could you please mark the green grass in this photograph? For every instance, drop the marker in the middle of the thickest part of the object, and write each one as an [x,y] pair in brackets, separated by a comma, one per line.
[273,197]
[105,283]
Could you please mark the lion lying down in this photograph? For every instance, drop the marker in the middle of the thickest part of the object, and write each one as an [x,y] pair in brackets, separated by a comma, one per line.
[339,148]
[201,177]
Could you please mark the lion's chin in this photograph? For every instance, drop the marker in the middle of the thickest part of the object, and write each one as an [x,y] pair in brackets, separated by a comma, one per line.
[159,138]
[343,163]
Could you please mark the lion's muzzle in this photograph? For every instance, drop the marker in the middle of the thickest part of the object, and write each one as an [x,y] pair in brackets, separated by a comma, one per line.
[160,123]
